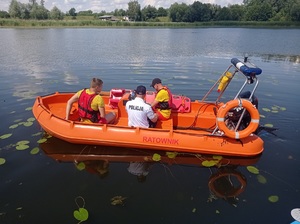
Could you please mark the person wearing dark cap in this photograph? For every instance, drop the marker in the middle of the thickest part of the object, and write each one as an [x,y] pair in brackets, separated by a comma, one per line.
[163,100]
[139,111]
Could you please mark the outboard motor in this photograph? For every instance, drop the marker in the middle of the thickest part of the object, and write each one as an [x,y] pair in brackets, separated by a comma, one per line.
[234,115]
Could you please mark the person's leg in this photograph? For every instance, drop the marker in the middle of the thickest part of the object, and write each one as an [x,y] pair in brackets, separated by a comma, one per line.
[110,117]
[160,116]
[151,124]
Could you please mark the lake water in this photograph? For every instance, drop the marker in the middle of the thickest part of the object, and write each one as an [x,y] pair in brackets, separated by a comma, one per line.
[35,188]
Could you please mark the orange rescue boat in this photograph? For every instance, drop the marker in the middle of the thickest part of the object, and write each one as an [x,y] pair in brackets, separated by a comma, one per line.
[200,126]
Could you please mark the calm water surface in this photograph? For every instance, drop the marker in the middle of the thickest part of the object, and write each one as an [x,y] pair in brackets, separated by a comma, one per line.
[35,188]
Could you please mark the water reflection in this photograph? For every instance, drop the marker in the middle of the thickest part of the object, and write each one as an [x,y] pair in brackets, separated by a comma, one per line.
[226,180]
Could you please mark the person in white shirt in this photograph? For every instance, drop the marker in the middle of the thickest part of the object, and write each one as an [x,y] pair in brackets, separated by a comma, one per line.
[139,111]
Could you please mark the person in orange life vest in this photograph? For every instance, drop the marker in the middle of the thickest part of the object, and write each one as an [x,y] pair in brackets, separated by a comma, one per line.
[163,100]
[91,107]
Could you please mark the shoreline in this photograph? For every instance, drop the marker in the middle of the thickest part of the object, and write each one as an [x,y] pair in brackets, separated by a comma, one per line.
[19,23]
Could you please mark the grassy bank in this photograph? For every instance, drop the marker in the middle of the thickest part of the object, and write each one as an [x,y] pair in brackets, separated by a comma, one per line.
[98,23]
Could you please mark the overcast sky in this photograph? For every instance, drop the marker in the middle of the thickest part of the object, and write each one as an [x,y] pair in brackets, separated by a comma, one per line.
[111,5]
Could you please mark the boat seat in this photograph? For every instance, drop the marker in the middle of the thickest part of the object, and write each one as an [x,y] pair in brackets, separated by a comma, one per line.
[115,96]
[150,96]
[181,104]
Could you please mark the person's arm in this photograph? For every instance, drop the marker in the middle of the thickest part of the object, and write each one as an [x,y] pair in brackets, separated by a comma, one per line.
[102,111]
[155,118]
[70,102]
[151,115]
[154,103]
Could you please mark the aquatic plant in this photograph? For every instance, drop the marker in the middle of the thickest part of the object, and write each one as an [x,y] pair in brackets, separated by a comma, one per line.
[81,214]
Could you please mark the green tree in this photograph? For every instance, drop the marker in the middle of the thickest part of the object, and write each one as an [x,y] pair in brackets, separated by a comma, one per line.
[162,12]
[214,11]
[200,12]
[85,13]
[258,11]
[237,12]
[295,12]
[134,11]
[120,12]
[148,13]
[224,14]
[179,12]
[195,11]
[72,12]
[25,11]
[4,14]
[14,9]
[55,13]
[39,12]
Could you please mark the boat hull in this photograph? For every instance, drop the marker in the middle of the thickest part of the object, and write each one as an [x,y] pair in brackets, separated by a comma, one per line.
[50,111]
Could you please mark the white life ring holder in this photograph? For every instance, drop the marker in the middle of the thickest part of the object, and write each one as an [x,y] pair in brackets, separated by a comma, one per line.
[223,110]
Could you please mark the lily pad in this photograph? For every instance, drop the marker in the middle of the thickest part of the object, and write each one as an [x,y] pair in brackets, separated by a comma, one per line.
[217,157]
[81,214]
[28,123]
[269,125]
[273,198]
[261,179]
[210,163]
[156,157]
[23,142]
[34,151]
[80,166]
[253,169]
[266,109]
[2,161]
[13,126]
[31,119]
[171,155]
[22,147]
[42,140]
[5,136]
[37,134]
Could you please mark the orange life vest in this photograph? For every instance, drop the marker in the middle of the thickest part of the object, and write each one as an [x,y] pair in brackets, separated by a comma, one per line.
[84,107]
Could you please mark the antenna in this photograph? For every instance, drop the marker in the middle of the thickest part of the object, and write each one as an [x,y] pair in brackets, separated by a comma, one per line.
[246,58]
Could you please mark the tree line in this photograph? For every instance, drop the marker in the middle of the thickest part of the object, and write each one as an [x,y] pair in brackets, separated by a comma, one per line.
[250,10]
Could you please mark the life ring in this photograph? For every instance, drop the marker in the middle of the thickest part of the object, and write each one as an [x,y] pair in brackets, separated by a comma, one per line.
[216,183]
[223,110]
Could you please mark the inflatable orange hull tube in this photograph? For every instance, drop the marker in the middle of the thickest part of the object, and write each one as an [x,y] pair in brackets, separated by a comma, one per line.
[188,131]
